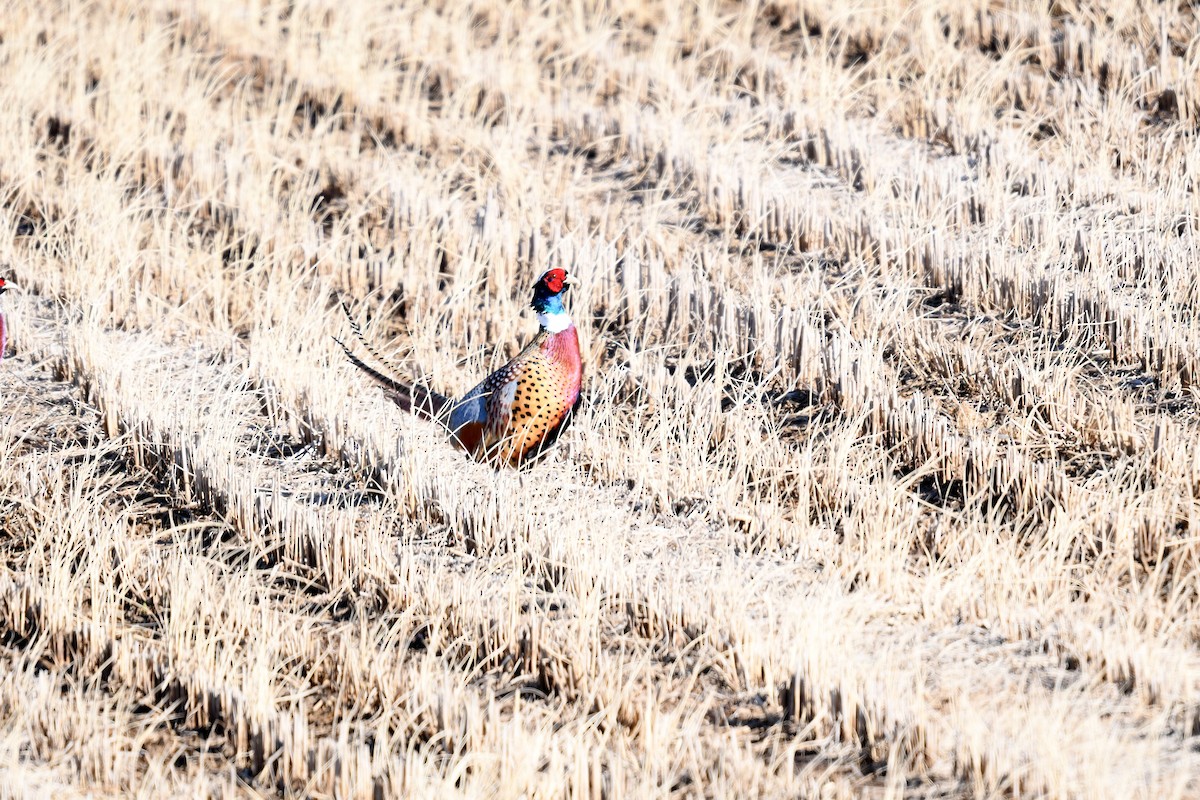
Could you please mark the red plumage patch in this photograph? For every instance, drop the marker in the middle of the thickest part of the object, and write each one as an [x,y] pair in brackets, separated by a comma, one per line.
[470,437]
[554,279]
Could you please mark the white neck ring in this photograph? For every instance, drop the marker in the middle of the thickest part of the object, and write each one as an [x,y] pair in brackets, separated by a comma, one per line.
[555,323]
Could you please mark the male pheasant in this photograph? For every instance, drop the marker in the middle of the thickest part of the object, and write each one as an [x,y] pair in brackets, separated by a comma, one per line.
[519,410]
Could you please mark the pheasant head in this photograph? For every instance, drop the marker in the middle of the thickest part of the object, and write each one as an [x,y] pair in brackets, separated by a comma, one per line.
[547,300]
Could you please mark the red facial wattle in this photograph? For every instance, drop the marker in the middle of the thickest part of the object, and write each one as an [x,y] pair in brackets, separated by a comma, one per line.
[554,280]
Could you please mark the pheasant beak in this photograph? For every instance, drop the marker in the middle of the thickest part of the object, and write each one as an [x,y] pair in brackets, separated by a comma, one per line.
[568,280]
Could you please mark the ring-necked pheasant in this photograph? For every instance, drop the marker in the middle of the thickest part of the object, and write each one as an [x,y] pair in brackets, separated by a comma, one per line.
[519,410]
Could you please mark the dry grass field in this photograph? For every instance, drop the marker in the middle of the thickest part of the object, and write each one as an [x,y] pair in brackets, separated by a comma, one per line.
[885,482]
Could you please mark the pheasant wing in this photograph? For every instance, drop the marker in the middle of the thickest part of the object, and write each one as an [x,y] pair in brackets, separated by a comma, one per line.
[480,417]
[499,410]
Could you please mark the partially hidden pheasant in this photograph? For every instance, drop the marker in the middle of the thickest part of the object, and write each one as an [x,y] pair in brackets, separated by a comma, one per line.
[519,410]
[3,322]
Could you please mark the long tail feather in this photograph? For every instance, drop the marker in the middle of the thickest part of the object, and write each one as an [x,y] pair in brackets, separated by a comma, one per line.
[423,402]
